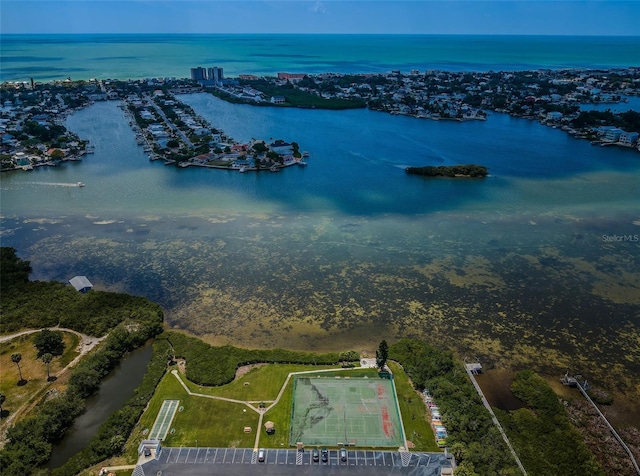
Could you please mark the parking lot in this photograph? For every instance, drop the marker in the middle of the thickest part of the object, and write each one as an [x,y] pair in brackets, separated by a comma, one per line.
[272,456]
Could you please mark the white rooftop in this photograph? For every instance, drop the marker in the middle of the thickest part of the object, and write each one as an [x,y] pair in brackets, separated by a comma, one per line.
[80,282]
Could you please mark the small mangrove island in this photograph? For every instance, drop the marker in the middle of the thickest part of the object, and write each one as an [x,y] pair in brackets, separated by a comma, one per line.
[468,170]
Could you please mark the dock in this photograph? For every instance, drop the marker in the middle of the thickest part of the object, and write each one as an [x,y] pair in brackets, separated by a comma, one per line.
[474,369]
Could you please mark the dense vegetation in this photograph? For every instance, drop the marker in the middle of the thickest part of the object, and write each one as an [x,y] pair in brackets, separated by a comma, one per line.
[14,272]
[542,434]
[628,121]
[473,439]
[38,304]
[112,434]
[293,97]
[469,170]
[209,365]
[30,440]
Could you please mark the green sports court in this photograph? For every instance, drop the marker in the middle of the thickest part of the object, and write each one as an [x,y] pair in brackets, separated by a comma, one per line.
[328,411]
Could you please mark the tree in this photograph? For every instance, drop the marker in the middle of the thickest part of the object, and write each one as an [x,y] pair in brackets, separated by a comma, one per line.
[47,358]
[2,399]
[57,154]
[382,354]
[13,270]
[47,341]
[16,358]
[260,147]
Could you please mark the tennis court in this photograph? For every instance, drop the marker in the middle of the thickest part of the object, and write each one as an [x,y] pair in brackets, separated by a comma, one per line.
[163,420]
[345,411]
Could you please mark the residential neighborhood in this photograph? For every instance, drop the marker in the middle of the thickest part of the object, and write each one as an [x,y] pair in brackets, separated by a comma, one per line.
[32,115]
[552,97]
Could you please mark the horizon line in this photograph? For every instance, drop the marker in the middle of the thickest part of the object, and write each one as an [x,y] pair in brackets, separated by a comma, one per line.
[329,34]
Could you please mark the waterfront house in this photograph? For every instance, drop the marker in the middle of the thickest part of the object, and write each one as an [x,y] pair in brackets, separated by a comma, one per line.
[239,163]
[612,135]
[554,116]
[628,138]
[277,100]
[281,147]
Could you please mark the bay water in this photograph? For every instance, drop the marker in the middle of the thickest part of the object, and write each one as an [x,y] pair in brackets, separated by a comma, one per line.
[536,265]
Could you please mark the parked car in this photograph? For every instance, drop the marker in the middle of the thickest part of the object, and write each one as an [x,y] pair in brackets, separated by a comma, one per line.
[325,455]
[343,455]
[261,455]
[316,455]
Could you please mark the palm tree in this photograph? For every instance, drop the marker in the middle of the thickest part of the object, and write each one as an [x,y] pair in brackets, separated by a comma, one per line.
[16,358]
[47,358]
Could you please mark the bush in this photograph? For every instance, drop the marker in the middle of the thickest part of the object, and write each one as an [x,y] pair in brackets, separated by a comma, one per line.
[209,365]
[473,439]
[111,436]
[37,304]
[542,435]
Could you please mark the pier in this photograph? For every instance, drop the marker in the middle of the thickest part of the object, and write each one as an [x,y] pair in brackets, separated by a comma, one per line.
[574,382]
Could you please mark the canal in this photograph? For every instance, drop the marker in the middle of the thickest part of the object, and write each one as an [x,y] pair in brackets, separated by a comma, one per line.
[114,391]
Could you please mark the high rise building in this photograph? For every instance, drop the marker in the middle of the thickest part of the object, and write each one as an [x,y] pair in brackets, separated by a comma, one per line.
[215,74]
[198,74]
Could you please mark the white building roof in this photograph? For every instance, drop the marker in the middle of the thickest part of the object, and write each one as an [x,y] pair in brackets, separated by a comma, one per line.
[80,282]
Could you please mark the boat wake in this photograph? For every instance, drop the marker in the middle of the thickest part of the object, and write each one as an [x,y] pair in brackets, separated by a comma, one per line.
[58,184]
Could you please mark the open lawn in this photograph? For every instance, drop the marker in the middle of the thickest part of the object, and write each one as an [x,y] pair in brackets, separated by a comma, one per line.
[34,371]
[414,412]
[209,422]
[262,383]
[203,422]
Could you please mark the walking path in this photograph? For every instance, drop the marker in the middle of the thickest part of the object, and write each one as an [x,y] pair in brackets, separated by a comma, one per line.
[86,344]
[260,411]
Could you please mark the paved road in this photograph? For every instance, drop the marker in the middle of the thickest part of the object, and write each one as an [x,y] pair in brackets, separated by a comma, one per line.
[170,123]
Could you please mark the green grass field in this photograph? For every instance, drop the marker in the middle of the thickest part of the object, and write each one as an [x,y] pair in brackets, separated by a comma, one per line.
[264,383]
[207,422]
[34,371]
[414,412]
[204,422]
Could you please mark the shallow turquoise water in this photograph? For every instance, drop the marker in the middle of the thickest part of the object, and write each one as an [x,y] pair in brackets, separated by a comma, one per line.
[47,57]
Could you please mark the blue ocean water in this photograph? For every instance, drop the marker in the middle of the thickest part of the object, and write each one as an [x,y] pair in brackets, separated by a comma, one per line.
[47,57]
[517,267]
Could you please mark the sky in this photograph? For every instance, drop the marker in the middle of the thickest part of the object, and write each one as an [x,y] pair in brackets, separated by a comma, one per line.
[501,17]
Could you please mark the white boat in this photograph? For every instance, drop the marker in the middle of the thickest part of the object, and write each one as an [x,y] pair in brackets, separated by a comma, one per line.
[305,154]
[274,168]
[302,163]
[80,184]
[242,169]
